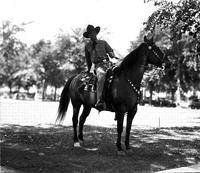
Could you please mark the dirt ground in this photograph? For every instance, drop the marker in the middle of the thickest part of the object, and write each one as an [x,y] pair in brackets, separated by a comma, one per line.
[34,149]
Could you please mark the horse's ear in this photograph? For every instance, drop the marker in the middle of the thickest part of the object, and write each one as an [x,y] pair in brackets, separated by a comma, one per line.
[145,39]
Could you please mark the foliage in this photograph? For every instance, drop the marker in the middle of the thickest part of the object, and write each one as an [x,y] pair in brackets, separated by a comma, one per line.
[47,64]
[75,57]
[181,24]
[180,18]
[14,57]
[54,63]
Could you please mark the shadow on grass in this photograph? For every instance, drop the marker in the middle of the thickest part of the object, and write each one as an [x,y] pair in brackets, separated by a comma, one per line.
[50,149]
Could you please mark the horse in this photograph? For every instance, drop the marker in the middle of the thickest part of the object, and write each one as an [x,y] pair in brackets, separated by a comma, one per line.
[124,92]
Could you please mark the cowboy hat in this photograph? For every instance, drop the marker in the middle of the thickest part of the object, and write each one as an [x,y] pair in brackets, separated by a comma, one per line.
[90,29]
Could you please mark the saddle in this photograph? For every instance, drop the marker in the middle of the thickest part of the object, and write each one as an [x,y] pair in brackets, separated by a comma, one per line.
[89,81]
[89,86]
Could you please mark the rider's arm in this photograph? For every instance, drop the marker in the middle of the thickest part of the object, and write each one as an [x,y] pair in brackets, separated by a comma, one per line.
[88,59]
[110,51]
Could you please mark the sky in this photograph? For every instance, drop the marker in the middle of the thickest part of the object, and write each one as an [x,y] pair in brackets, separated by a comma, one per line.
[122,18]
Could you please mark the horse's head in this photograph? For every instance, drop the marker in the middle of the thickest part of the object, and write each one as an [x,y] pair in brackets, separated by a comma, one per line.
[155,55]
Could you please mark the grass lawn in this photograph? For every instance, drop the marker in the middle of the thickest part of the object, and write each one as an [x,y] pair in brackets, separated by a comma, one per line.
[161,138]
[50,150]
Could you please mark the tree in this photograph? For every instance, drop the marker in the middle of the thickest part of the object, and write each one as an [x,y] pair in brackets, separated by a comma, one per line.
[51,65]
[41,53]
[76,56]
[55,75]
[71,48]
[182,20]
[13,57]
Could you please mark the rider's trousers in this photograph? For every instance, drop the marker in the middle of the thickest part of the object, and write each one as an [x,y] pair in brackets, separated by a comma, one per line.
[101,76]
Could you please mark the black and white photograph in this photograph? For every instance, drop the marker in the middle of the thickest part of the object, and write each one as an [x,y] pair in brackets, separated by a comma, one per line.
[100,86]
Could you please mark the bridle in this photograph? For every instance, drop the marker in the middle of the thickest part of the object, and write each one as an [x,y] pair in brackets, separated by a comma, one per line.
[137,91]
[150,48]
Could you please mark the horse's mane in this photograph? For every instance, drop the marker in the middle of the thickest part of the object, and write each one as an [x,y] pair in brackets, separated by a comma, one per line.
[131,58]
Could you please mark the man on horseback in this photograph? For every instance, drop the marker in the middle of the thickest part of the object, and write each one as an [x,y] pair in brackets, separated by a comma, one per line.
[97,53]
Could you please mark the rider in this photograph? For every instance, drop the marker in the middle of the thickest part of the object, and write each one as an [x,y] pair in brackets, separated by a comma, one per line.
[96,53]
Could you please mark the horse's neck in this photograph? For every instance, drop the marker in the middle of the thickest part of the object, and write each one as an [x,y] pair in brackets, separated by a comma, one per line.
[134,72]
[135,75]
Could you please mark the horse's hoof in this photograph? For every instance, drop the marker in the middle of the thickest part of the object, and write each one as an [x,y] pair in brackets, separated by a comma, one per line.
[121,153]
[77,145]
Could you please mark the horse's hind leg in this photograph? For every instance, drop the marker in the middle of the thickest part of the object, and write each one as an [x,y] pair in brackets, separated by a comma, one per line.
[76,108]
[84,115]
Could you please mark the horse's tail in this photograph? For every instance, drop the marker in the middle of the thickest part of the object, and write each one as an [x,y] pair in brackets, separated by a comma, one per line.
[64,101]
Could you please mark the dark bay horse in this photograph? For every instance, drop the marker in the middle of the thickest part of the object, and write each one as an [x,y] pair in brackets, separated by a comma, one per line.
[124,94]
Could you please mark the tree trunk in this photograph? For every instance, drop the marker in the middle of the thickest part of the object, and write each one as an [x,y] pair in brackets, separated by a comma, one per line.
[18,88]
[178,72]
[173,95]
[178,92]
[44,91]
[151,95]
[55,94]
[144,94]
[10,89]
[151,87]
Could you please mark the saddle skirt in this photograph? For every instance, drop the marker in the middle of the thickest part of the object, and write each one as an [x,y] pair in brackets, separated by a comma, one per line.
[89,81]
[89,85]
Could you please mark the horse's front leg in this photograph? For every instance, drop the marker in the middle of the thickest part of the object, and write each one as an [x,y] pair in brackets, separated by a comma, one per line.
[120,120]
[130,117]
